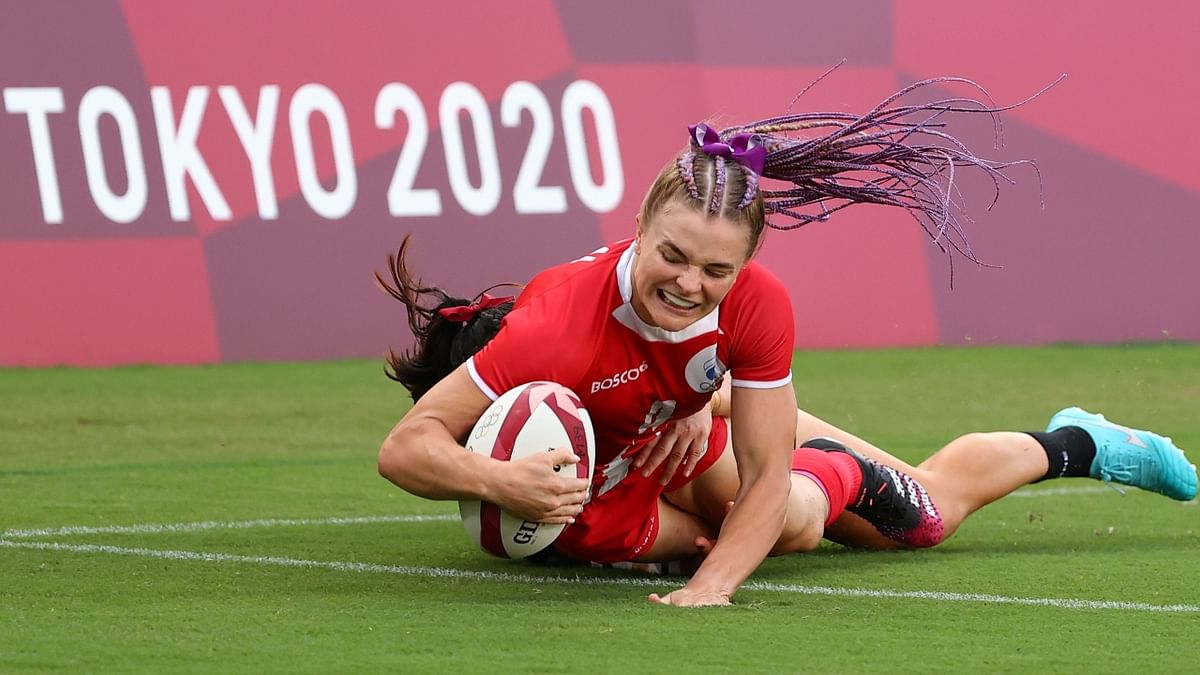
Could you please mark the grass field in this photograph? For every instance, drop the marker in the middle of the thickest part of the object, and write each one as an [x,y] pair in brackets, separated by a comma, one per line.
[229,519]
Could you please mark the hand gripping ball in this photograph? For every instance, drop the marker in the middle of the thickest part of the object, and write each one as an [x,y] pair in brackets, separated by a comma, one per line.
[534,417]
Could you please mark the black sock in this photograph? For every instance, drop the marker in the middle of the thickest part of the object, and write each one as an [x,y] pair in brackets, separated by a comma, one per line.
[1070,451]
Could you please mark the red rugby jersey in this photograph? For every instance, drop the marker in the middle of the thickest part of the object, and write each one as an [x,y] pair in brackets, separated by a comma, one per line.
[574,324]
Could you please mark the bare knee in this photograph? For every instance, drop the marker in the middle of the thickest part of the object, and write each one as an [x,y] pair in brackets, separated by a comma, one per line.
[799,538]
[979,438]
[804,524]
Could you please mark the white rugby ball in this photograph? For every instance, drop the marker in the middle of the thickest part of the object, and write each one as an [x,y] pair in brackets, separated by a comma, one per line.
[532,418]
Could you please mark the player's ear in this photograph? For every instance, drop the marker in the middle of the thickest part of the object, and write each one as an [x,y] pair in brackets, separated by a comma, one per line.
[637,234]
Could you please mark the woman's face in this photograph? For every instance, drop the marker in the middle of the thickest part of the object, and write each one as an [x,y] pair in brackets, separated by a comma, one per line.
[686,264]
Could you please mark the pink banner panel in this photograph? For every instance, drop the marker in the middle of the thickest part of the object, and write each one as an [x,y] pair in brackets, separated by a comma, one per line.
[105,302]
[224,177]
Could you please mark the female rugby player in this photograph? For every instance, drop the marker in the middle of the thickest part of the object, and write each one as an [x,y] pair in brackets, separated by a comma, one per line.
[645,331]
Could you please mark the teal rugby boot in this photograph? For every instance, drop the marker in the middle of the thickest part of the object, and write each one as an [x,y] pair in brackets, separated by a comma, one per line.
[1134,457]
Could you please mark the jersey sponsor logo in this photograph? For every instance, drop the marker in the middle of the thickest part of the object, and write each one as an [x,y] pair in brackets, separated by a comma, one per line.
[1130,437]
[704,370]
[618,379]
[1099,421]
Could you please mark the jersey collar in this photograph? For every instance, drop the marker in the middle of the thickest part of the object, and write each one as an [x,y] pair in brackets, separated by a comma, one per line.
[627,317]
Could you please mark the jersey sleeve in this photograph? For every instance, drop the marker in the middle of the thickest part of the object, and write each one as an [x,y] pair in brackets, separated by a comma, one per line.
[516,355]
[551,332]
[538,285]
[764,334]
[497,367]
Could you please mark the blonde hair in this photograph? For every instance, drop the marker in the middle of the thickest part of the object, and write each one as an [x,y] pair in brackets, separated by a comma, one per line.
[726,187]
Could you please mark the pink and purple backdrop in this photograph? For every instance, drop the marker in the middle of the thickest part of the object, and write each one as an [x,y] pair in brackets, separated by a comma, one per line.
[135,226]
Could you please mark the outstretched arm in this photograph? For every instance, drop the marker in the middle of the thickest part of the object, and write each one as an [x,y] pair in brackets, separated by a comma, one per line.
[763,427]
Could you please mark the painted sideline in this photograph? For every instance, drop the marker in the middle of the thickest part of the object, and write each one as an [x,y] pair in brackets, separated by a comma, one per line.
[157,528]
[659,583]
[1062,491]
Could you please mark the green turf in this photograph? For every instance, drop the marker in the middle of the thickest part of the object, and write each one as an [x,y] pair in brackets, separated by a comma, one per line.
[242,442]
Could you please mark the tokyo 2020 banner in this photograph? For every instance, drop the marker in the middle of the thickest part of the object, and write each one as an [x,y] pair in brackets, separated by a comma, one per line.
[215,181]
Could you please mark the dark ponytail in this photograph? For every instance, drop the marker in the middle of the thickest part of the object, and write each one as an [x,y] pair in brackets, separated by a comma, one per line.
[442,344]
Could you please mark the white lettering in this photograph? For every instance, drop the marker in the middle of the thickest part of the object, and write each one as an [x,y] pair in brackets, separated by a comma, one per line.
[602,197]
[36,103]
[103,100]
[181,158]
[620,378]
[403,199]
[464,97]
[256,138]
[465,123]
[317,98]
[528,195]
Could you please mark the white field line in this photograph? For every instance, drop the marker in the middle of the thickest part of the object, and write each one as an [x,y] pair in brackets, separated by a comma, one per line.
[642,582]
[159,528]
[1069,491]
[1061,492]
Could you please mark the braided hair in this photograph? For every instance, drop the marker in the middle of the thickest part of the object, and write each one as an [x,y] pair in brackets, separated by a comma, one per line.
[442,344]
[895,154]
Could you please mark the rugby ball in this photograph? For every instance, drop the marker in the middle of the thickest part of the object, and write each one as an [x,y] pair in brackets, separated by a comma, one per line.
[532,418]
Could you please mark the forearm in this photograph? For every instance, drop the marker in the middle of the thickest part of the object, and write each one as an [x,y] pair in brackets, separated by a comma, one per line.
[763,425]
[421,457]
[747,536]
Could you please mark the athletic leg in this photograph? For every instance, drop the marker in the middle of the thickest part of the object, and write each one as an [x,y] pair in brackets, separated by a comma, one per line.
[967,474]
[977,469]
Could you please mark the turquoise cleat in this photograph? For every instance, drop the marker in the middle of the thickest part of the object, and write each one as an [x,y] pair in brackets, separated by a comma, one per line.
[1134,457]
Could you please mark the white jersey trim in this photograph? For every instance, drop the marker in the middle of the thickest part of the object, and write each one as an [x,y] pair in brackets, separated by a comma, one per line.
[626,316]
[483,386]
[752,384]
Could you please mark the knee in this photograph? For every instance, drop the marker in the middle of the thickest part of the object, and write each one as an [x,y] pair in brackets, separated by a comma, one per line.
[799,537]
[975,439]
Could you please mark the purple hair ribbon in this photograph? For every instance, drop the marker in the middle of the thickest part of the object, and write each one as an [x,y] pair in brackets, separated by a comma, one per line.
[745,149]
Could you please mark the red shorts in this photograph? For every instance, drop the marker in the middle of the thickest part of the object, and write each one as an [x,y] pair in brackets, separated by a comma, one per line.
[622,523]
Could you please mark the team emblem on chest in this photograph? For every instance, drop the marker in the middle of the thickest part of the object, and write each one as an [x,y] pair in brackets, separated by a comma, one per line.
[704,370]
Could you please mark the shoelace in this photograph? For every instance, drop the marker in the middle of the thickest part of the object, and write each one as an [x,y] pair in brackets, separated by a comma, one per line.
[1124,470]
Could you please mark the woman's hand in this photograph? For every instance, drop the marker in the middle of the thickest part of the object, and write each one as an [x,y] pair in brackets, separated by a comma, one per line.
[684,597]
[684,441]
[535,489]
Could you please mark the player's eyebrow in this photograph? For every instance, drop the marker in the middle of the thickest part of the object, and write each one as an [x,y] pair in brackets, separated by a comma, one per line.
[721,266]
